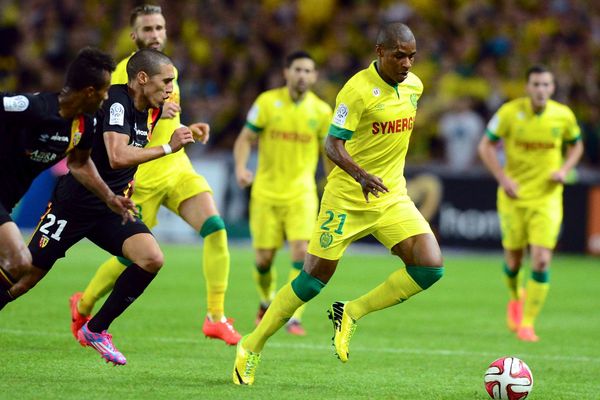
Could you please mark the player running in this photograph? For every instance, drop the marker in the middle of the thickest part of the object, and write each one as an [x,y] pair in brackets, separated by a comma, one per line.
[170,181]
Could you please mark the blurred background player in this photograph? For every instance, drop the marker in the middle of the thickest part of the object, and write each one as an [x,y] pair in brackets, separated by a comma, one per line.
[170,181]
[36,132]
[368,140]
[290,124]
[533,129]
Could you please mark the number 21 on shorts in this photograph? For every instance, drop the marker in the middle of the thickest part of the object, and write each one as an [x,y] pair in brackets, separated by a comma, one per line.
[334,220]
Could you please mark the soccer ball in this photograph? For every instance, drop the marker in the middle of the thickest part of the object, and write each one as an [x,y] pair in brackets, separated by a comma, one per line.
[508,378]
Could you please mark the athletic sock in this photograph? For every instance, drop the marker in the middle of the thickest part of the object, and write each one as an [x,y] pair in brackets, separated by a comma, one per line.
[398,287]
[294,272]
[103,281]
[537,291]
[5,298]
[128,287]
[216,272]
[513,282]
[281,309]
[265,280]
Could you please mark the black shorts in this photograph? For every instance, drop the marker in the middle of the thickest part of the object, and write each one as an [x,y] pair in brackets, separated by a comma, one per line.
[4,215]
[62,226]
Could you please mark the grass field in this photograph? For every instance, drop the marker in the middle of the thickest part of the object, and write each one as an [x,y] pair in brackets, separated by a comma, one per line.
[435,346]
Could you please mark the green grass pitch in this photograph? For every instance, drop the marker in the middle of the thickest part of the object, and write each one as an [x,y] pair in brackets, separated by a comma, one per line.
[435,346]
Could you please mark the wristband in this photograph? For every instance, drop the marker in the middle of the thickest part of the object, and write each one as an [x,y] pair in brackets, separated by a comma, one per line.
[167,148]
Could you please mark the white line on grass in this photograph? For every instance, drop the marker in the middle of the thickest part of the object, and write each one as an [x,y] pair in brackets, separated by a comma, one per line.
[304,346]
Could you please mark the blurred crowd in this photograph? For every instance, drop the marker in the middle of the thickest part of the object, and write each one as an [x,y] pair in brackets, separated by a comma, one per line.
[472,56]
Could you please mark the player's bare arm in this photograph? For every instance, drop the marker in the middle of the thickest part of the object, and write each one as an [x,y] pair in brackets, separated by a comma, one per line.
[370,184]
[487,153]
[84,170]
[121,155]
[574,153]
[241,153]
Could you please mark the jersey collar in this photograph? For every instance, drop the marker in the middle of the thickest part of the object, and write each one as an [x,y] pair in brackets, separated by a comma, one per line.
[375,71]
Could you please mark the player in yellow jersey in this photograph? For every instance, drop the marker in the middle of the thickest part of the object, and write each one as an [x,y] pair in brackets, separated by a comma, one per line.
[533,129]
[365,194]
[290,124]
[170,181]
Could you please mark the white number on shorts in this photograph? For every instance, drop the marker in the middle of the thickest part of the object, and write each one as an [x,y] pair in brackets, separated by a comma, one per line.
[51,221]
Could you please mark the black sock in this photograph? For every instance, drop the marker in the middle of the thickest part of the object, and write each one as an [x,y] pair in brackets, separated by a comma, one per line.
[5,298]
[129,286]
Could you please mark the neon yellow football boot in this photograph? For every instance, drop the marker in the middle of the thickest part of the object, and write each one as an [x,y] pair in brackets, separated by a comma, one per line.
[245,365]
[343,329]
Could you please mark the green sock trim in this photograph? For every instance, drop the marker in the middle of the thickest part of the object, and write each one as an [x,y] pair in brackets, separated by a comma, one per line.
[212,224]
[509,273]
[425,276]
[541,277]
[306,286]
[124,261]
[298,265]
[263,271]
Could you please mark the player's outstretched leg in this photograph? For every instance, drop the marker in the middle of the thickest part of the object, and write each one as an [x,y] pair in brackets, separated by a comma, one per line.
[244,367]
[102,343]
[77,319]
[343,329]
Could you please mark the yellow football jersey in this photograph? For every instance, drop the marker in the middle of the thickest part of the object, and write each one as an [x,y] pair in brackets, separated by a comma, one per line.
[533,145]
[290,137]
[154,172]
[376,119]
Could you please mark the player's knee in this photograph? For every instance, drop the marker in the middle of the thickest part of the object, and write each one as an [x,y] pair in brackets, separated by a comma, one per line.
[425,276]
[306,286]
[152,261]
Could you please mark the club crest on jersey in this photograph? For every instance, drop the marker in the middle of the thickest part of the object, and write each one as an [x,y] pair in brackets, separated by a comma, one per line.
[43,241]
[326,239]
[76,138]
[414,99]
[340,115]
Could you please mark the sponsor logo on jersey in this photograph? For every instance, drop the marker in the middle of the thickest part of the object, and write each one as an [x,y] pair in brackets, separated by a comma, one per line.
[41,156]
[57,137]
[15,103]
[290,136]
[395,126]
[44,137]
[341,113]
[534,145]
[376,92]
[43,241]
[117,114]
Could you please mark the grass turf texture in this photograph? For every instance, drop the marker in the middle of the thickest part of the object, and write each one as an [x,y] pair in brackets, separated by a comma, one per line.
[435,346]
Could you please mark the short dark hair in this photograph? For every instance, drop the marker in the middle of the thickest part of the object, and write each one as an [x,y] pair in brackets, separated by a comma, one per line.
[536,69]
[87,69]
[293,56]
[147,60]
[144,9]
[390,32]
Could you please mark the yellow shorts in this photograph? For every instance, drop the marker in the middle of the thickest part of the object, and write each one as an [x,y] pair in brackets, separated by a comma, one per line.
[182,185]
[272,223]
[538,224]
[338,226]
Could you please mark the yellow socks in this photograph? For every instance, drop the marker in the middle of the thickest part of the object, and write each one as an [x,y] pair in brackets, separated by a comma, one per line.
[537,291]
[281,309]
[102,283]
[294,272]
[514,280]
[215,261]
[398,287]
